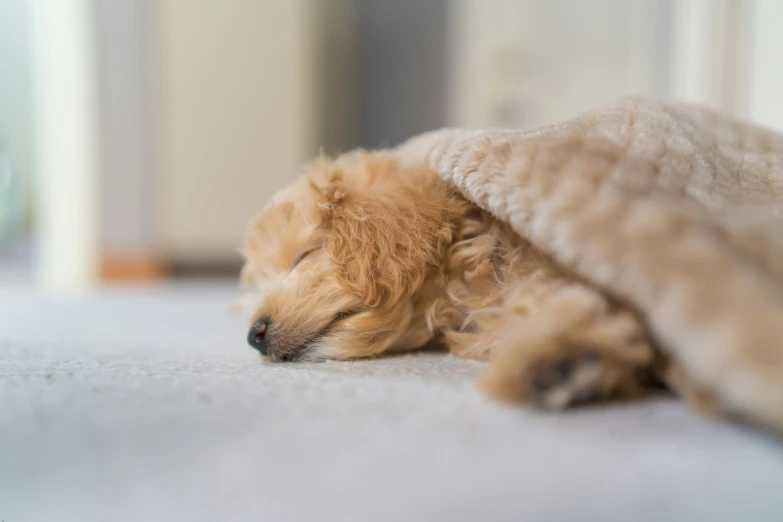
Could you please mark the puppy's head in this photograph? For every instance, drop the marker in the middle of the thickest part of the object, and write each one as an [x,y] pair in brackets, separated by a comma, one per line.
[347,260]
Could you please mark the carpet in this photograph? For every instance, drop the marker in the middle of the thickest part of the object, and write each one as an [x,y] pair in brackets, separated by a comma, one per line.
[144,403]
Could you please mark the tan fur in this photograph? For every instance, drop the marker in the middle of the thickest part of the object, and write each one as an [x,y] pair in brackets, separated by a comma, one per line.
[398,260]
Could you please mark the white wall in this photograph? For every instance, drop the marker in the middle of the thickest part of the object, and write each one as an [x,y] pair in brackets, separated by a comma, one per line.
[65,107]
[764,93]
[126,133]
[710,52]
[728,56]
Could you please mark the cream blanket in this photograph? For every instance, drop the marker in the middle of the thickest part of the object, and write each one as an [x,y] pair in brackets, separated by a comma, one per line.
[675,209]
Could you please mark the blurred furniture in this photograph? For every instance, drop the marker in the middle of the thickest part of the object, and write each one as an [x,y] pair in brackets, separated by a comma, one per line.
[532,62]
[234,96]
[206,109]
[526,63]
[237,117]
[189,114]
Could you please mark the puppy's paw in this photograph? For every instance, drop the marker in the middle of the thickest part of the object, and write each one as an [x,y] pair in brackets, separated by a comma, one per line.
[573,376]
[597,362]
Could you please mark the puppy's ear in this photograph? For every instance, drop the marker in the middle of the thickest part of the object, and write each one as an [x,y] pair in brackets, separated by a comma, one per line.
[326,180]
[385,243]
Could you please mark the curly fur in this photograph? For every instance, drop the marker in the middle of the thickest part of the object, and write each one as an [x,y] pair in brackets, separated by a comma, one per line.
[363,257]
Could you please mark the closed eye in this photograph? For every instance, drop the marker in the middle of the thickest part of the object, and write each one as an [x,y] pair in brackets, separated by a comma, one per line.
[304,254]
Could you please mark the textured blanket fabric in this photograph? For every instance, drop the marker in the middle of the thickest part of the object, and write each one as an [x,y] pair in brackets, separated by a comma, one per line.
[675,209]
[147,405]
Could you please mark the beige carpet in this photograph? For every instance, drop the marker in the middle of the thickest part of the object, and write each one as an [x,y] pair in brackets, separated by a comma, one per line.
[146,404]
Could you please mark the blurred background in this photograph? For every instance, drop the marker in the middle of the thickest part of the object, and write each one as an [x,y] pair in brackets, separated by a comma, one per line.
[138,137]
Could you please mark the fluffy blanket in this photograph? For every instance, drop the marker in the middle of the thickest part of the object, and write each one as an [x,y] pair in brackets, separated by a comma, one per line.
[675,209]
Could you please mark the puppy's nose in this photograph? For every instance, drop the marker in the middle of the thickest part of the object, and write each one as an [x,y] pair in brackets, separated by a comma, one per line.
[258,336]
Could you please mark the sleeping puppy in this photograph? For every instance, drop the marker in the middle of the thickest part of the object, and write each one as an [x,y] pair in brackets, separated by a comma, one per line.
[363,257]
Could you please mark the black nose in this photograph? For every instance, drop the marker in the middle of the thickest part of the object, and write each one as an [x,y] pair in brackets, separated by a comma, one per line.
[258,335]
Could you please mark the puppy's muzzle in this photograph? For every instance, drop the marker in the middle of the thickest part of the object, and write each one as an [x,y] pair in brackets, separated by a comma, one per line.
[259,335]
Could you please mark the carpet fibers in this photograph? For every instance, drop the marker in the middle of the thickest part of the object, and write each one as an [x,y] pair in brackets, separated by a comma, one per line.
[146,404]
